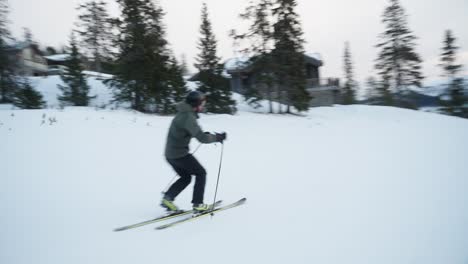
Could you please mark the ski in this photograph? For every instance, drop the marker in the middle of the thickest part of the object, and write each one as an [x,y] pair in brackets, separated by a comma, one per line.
[219,209]
[159,219]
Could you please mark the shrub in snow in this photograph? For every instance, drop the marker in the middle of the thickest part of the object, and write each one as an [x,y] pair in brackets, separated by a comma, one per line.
[26,97]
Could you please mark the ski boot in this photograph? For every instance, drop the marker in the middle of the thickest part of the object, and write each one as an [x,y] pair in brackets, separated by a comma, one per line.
[201,208]
[169,205]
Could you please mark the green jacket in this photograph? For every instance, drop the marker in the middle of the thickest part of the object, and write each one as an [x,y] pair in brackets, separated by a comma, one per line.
[183,128]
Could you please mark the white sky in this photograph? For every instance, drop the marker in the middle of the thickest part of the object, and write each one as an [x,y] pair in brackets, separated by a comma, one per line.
[326,24]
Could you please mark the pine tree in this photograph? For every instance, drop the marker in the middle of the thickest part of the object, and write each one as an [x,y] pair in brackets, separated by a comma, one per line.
[207,60]
[8,82]
[378,92]
[451,70]
[26,97]
[51,51]
[141,68]
[288,54]
[176,88]
[183,66]
[28,36]
[95,31]
[212,82]
[4,10]
[260,37]
[398,65]
[349,95]
[371,88]
[75,92]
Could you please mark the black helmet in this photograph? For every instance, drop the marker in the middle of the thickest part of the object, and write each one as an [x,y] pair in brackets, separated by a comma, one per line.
[195,98]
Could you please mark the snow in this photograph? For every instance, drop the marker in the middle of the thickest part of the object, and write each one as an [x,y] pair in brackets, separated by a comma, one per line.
[343,184]
[315,55]
[58,57]
[101,75]
[47,86]
[435,86]
[236,63]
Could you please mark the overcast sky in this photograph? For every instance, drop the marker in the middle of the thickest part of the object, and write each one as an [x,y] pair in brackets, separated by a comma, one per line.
[327,24]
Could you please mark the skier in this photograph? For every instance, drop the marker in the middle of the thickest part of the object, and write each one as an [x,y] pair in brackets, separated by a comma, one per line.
[183,128]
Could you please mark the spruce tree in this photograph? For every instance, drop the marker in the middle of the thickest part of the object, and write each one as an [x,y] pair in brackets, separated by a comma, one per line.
[212,82]
[141,66]
[183,66]
[51,51]
[95,32]
[371,89]
[8,81]
[288,54]
[378,92]
[384,92]
[4,10]
[26,97]
[28,36]
[455,83]
[398,65]
[260,37]
[176,88]
[349,93]
[75,92]
[207,60]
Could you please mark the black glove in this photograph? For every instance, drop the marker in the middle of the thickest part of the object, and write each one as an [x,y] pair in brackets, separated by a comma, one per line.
[220,137]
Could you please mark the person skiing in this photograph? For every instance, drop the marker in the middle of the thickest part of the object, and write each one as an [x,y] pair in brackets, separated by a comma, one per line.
[183,128]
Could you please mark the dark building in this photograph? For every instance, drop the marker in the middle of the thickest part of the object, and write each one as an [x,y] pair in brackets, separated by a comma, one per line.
[57,63]
[323,91]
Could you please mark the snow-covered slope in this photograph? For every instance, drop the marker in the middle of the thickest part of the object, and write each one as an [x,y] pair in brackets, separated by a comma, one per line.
[47,86]
[436,87]
[354,184]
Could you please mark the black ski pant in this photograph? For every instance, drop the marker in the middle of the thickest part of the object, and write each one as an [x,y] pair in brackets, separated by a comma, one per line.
[185,168]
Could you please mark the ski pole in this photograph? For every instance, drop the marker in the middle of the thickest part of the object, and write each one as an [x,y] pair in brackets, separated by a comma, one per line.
[219,172]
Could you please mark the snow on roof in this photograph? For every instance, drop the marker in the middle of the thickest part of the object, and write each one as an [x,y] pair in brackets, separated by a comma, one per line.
[98,74]
[236,63]
[315,55]
[58,57]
